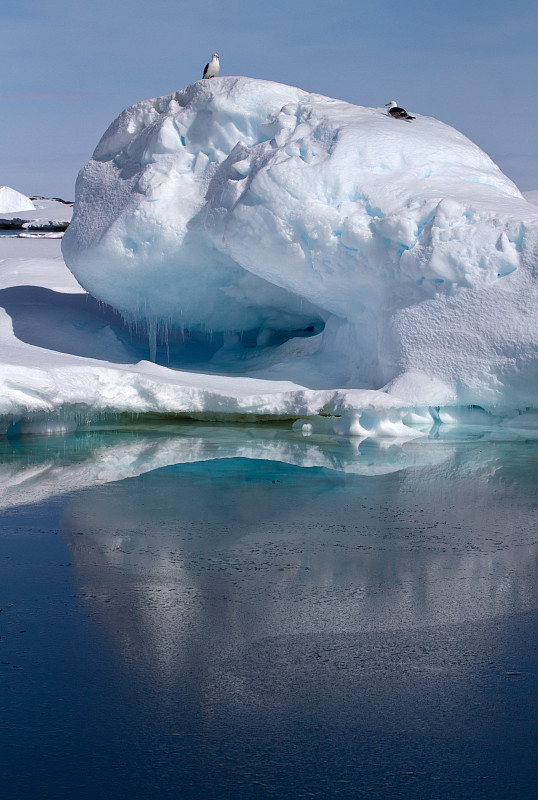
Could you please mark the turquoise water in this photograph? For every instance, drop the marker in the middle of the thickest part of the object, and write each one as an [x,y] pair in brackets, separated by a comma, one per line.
[192,611]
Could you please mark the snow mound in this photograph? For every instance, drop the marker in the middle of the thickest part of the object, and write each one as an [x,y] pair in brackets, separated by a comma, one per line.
[11,200]
[266,213]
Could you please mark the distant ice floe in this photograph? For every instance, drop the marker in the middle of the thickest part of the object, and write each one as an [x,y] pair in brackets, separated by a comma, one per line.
[44,217]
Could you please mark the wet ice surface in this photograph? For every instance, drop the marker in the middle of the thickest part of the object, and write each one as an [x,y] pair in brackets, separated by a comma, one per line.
[245,627]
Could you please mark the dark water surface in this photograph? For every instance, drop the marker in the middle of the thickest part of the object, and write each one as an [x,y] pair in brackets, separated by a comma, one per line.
[245,613]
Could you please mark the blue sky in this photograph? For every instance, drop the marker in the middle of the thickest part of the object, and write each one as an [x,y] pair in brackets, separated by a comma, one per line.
[69,68]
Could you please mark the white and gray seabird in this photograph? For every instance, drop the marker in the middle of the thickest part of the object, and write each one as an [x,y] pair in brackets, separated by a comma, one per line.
[212,68]
[397,112]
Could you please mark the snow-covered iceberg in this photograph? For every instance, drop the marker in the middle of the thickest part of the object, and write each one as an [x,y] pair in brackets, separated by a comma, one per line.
[324,242]
[292,257]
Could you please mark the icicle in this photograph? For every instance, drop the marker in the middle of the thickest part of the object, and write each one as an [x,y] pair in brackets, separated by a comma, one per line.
[152,337]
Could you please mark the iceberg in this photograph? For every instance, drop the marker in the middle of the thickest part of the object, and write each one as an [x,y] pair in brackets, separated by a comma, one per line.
[12,200]
[245,251]
[322,242]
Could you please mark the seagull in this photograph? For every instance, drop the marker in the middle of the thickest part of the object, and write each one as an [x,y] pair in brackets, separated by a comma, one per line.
[397,112]
[212,68]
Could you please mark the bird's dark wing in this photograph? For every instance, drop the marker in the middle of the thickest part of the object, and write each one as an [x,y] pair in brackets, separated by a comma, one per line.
[205,70]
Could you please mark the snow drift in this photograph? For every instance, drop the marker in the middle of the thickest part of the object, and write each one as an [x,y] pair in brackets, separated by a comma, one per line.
[325,242]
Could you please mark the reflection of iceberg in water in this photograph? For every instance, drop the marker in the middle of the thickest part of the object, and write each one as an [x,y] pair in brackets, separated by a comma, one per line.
[205,572]
[34,468]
